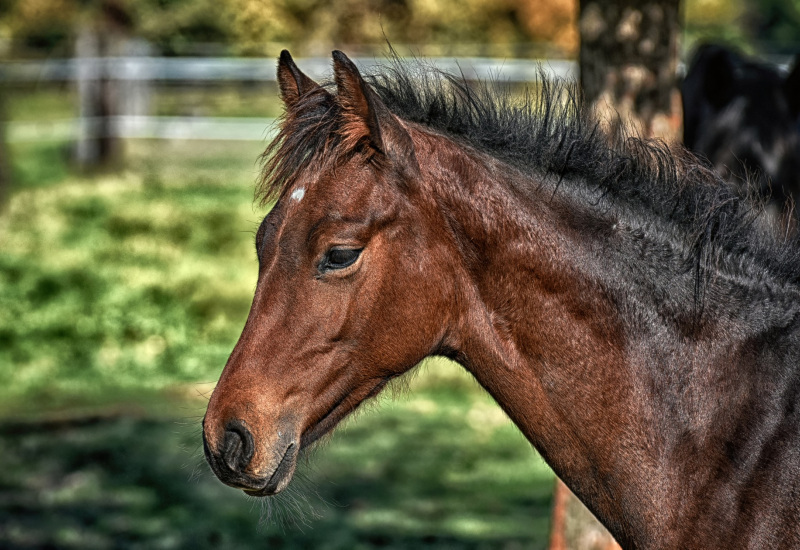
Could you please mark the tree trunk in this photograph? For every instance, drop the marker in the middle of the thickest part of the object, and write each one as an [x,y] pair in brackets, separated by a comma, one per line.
[628,64]
[628,72]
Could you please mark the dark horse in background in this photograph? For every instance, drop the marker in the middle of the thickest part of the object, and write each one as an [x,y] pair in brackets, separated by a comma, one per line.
[744,117]
[631,312]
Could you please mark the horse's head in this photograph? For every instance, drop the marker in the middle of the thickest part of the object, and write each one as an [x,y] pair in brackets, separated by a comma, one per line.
[349,293]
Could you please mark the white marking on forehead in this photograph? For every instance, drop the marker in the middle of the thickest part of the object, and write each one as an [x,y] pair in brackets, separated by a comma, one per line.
[298,194]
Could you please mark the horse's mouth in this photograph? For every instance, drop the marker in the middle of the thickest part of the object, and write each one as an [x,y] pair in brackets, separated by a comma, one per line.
[283,473]
[281,476]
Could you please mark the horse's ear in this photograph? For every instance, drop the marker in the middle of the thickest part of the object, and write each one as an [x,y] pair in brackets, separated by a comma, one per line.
[366,118]
[791,87]
[293,83]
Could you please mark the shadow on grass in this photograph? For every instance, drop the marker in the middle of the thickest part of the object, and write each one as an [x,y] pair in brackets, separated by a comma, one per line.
[125,482]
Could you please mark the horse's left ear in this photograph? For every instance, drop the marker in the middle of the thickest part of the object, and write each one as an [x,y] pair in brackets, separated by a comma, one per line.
[367,118]
[292,82]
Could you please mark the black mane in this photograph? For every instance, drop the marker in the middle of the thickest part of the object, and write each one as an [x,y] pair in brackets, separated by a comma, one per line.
[550,134]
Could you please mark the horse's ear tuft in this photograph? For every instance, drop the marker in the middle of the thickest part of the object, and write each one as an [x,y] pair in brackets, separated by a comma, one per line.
[366,118]
[293,83]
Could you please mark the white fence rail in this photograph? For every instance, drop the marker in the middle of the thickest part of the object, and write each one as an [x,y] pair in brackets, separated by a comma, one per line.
[148,127]
[131,78]
[259,69]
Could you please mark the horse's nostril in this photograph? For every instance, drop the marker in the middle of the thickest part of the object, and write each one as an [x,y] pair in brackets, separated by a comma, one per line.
[237,446]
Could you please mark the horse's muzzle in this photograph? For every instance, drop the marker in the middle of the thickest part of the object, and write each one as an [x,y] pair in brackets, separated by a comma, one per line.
[281,476]
[231,460]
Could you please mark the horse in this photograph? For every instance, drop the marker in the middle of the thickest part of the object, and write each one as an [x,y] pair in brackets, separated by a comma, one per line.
[744,117]
[632,314]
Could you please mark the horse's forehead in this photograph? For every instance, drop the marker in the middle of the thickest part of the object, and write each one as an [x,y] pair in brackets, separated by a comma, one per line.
[346,187]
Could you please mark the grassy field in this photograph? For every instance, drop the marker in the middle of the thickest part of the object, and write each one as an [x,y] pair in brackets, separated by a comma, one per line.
[121,296]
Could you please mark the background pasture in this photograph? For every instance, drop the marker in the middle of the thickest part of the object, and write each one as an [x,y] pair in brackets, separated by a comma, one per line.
[121,295]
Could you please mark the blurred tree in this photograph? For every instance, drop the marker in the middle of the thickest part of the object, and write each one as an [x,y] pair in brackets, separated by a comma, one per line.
[40,25]
[554,21]
[490,27]
[494,25]
[775,24]
[754,26]
[51,26]
[176,27]
[716,20]
[628,64]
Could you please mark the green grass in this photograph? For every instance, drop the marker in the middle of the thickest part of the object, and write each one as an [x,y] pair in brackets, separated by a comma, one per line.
[254,100]
[39,164]
[441,468]
[121,296]
[40,102]
[131,281]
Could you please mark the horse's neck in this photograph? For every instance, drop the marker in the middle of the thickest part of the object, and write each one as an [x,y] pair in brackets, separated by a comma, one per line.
[615,394]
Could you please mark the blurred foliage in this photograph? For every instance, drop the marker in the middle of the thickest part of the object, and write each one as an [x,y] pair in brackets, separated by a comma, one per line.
[554,21]
[502,27]
[751,25]
[131,282]
[258,27]
[172,26]
[704,13]
[38,24]
[776,24]
[432,27]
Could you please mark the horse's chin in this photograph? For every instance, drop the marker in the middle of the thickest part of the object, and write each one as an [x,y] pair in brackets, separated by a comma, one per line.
[281,477]
[337,413]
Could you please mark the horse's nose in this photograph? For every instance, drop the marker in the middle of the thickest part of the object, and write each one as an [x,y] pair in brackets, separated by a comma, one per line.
[232,455]
[237,447]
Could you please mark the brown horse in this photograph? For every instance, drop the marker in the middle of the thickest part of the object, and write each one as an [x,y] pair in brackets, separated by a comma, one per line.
[628,310]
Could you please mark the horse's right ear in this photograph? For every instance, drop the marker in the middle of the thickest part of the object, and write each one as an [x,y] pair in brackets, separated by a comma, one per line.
[366,118]
[293,83]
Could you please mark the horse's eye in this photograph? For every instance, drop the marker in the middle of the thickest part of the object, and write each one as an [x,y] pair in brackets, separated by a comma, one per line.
[339,258]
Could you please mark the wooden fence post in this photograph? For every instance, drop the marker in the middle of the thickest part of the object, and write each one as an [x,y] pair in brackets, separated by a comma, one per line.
[90,149]
[101,95]
[574,527]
